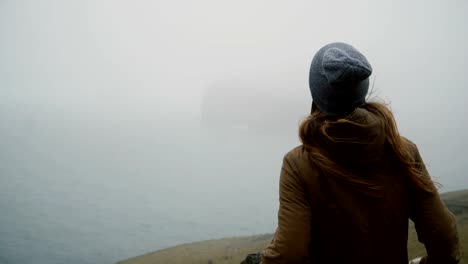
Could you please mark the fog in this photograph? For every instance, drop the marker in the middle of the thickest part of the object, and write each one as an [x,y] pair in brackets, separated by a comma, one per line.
[130,126]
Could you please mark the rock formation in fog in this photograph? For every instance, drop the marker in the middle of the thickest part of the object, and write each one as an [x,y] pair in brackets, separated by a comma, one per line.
[255,104]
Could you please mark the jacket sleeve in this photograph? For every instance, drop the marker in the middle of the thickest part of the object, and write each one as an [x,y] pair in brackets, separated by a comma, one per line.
[291,240]
[435,224]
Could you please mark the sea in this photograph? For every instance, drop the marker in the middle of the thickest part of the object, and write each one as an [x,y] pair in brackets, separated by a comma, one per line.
[99,191]
[90,188]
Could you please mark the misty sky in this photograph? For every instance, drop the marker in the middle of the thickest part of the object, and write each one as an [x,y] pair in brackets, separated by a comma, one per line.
[177,60]
[131,126]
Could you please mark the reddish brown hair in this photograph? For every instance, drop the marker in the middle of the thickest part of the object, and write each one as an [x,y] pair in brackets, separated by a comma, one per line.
[316,126]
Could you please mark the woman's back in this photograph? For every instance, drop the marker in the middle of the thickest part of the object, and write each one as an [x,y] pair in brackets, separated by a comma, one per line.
[347,193]
[324,219]
[341,224]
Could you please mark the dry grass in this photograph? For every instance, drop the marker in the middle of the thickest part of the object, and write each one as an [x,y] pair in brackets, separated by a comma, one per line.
[226,251]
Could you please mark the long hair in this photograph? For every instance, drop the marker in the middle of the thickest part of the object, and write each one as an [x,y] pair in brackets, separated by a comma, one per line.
[315,128]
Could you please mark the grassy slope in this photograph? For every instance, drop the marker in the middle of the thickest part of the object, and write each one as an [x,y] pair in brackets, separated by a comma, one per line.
[234,250]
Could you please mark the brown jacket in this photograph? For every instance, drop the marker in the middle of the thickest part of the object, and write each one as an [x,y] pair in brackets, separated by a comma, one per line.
[324,220]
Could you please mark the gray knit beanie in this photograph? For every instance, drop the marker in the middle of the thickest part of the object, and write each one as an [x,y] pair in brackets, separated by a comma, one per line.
[339,79]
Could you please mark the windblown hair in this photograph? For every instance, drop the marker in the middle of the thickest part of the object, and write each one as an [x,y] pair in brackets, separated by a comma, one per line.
[316,127]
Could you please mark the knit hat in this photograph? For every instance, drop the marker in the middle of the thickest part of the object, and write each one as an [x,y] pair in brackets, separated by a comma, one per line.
[339,79]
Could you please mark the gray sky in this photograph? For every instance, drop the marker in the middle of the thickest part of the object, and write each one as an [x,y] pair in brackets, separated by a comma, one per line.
[143,59]
[131,126]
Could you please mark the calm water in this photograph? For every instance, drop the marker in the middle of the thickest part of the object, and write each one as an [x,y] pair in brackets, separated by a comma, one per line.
[99,192]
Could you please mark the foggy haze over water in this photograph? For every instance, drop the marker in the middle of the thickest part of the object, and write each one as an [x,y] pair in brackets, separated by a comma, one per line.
[127,127]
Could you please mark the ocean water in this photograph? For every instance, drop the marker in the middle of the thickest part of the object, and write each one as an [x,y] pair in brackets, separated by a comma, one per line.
[101,191]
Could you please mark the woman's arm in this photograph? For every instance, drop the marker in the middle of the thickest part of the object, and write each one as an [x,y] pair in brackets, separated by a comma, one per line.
[435,224]
[291,241]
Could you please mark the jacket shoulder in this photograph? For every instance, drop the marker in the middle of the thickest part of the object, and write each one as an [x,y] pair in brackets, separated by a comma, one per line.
[407,141]
[412,146]
[295,154]
[299,160]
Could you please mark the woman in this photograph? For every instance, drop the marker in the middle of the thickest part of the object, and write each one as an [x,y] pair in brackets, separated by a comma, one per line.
[347,192]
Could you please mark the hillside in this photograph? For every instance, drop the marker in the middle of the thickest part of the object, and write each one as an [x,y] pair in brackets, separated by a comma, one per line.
[234,250]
